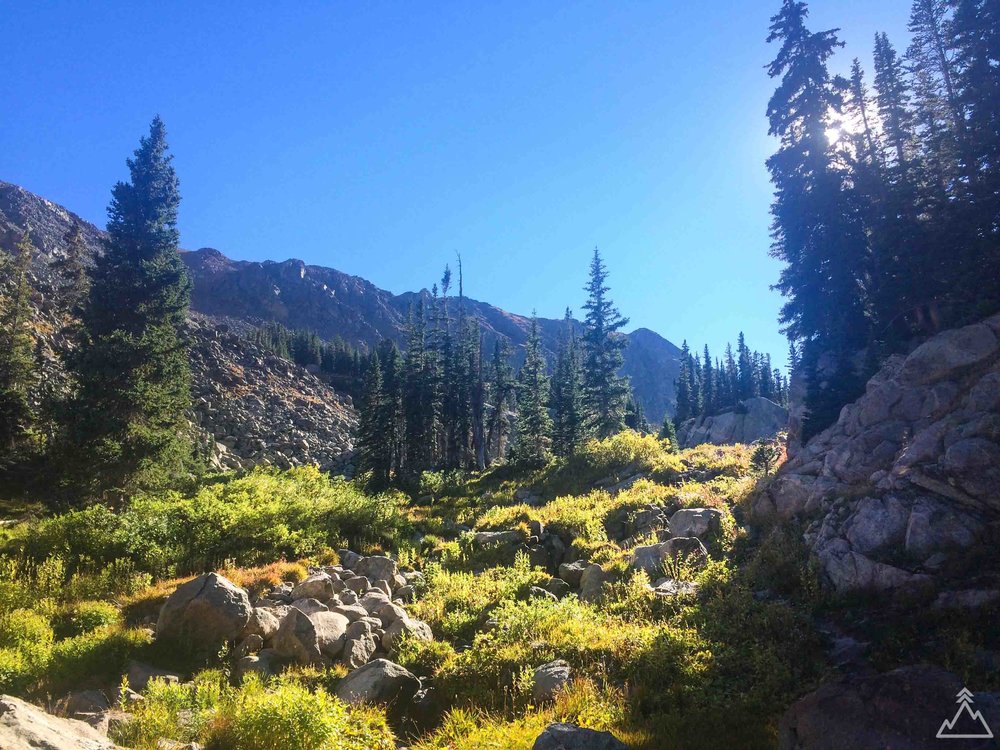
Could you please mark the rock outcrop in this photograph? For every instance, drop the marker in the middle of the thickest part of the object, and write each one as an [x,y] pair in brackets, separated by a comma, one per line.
[903,709]
[756,418]
[903,491]
[27,727]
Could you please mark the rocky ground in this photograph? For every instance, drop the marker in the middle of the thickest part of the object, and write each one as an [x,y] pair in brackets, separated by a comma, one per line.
[254,408]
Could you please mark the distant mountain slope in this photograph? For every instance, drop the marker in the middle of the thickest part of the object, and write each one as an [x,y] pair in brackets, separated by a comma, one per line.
[330,302]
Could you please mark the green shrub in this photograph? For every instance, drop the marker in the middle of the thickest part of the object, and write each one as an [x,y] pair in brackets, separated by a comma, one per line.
[290,716]
[82,617]
[98,655]
[248,520]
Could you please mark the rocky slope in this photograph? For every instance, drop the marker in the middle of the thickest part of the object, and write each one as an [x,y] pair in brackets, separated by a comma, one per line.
[327,301]
[902,494]
[251,407]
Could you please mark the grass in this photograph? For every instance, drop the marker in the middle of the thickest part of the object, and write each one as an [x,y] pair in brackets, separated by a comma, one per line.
[712,669]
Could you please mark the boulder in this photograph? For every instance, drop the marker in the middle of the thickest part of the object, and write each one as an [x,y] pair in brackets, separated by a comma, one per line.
[317,586]
[592,583]
[359,646]
[206,613]
[313,638]
[948,353]
[557,587]
[650,557]
[27,727]
[389,613]
[406,627]
[379,681]
[903,709]
[309,606]
[264,621]
[373,601]
[139,674]
[352,612]
[572,737]
[348,559]
[695,522]
[377,568]
[572,572]
[548,679]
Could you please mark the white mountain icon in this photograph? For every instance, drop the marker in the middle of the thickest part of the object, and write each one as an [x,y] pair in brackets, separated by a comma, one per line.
[973,728]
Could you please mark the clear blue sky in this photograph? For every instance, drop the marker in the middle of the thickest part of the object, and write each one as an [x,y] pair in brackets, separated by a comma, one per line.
[381,137]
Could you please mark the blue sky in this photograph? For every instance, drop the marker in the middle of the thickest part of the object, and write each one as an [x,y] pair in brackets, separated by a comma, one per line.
[380,138]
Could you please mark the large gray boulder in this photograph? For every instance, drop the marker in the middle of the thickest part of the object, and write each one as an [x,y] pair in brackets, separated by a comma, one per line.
[572,737]
[206,613]
[27,727]
[695,522]
[405,627]
[548,679]
[651,557]
[592,583]
[317,586]
[379,681]
[903,709]
[312,638]
[377,568]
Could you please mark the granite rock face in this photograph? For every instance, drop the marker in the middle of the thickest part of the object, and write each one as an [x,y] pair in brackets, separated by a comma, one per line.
[903,491]
[756,418]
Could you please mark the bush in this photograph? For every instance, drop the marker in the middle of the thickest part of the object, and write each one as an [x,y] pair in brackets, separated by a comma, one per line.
[83,617]
[249,520]
[253,716]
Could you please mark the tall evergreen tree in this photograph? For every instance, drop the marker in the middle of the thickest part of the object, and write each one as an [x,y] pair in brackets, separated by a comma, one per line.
[72,281]
[503,395]
[567,394]
[685,409]
[534,426]
[16,353]
[605,391]
[374,449]
[817,232]
[132,365]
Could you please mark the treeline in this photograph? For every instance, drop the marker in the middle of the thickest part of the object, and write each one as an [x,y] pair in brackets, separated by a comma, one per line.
[121,425]
[887,192]
[305,348]
[445,403]
[706,387]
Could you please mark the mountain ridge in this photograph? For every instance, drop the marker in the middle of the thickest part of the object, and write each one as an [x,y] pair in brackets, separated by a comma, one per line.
[330,302]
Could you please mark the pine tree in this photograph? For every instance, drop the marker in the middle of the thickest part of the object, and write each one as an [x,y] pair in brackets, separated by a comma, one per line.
[132,366]
[605,391]
[374,449]
[567,394]
[392,421]
[816,229]
[16,353]
[669,432]
[72,282]
[682,386]
[503,394]
[709,386]
[534,426]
